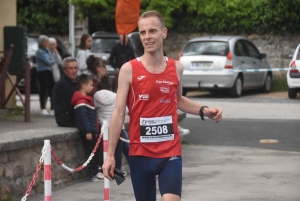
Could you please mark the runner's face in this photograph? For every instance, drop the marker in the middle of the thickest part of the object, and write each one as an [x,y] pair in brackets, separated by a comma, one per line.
[152,34]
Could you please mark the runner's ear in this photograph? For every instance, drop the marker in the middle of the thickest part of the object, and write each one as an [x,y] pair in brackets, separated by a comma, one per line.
[165,31]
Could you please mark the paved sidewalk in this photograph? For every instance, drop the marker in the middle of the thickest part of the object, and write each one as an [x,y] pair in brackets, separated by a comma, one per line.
[213,174]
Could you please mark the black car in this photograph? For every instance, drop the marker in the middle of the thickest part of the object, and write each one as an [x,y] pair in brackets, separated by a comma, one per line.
[103,43]
[32,47]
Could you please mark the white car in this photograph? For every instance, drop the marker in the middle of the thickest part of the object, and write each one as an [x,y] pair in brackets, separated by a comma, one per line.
[293,74]
[230,63]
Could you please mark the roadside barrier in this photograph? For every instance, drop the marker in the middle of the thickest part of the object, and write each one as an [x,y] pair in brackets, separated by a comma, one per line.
[35,175]
[105,146]
[235,70]
[78,169]
[47,172]
[46,159]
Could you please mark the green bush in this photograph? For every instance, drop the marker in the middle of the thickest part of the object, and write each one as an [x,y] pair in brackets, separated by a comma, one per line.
[44,16]
[213,16]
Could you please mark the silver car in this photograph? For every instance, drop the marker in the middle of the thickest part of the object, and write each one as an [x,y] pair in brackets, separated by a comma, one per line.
[224,62]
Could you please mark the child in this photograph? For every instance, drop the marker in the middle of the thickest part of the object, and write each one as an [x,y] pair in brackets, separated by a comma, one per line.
[105,101]
[86,123]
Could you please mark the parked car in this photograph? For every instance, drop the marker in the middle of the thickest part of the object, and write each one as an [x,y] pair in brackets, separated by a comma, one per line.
[209,63]
[103,43]
[32,47]
[293,74]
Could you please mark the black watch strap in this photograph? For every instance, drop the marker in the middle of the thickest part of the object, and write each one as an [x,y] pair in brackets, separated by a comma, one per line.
[201,112]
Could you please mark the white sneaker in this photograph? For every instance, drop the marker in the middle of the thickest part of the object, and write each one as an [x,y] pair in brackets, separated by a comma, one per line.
[44,112]
[183,131]
[51,112]
[95,178]
[100,176]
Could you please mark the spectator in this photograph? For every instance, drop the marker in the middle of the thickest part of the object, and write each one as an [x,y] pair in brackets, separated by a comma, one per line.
[63,92]
[57,64]
[105,101]
[83,51]
[85,116]
[97,67]
[44,61]
[120,54]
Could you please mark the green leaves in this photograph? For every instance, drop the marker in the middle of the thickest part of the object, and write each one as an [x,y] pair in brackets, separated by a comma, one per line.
[213,16]
[49,17]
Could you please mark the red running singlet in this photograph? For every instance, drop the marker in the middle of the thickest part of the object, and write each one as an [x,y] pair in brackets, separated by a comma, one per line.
[152,104]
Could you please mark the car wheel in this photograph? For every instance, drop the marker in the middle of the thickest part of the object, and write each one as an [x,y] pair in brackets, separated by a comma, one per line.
[236,90]
[292,93]
[268,84]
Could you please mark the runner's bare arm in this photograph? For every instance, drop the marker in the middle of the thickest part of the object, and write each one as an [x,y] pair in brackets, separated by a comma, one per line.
[186,105]
[118,116]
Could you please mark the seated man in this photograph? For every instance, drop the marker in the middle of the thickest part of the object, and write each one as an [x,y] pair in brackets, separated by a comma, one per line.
[63,92]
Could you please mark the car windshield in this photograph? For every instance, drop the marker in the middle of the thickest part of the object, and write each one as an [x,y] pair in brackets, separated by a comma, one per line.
[103,45]
[32,46]
[206,48]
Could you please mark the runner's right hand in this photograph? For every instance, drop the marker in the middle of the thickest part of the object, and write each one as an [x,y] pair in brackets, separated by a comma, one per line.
[109,165]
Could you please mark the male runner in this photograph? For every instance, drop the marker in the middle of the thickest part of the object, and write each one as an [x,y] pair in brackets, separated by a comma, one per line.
[151,88]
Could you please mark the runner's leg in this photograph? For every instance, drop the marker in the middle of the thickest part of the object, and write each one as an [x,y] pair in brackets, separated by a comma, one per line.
[170,179]
[143,171]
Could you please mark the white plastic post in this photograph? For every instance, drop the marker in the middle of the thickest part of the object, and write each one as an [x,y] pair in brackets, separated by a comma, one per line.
[47,172]
[105,145]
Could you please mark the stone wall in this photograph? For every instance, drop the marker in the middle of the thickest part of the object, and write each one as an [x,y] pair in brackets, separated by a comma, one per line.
[18,165]
[277,47]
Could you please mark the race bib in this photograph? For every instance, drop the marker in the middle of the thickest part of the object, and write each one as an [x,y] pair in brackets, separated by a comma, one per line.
[156,129]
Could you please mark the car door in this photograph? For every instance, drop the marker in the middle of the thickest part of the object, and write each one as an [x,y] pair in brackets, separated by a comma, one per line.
[256,78]
[242,61]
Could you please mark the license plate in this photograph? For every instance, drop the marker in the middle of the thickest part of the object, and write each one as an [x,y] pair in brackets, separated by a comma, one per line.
[201,64]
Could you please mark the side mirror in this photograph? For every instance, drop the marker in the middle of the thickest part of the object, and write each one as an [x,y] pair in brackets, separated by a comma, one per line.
[291,55]
[263,56]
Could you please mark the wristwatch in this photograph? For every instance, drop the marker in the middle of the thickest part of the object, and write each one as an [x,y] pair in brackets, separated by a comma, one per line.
[201,112]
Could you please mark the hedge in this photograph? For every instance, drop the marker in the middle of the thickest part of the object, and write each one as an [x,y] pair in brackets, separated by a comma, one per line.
[213,16]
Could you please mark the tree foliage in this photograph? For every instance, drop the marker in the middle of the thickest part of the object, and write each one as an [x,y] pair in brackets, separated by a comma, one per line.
[214,16]
[44,16]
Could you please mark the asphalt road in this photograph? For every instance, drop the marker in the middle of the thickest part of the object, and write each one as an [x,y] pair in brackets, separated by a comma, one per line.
[245,133]
[247,121]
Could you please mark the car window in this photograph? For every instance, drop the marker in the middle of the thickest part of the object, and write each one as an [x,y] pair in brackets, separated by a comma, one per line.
[253,52]
[206,48]
[298,55]
[103,45]
[32,46]
[137,45]
[239,49]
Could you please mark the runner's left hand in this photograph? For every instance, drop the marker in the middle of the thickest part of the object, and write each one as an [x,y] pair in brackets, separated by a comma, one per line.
[213,113]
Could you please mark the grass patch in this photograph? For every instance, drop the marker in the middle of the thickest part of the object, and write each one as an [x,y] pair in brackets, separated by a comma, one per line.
[13,115]
[279,82]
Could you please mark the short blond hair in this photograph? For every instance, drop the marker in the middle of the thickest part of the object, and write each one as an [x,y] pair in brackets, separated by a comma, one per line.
[153,13]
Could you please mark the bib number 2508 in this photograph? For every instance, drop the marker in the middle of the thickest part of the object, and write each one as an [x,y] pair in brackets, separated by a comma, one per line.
[153,130]
[156,129]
